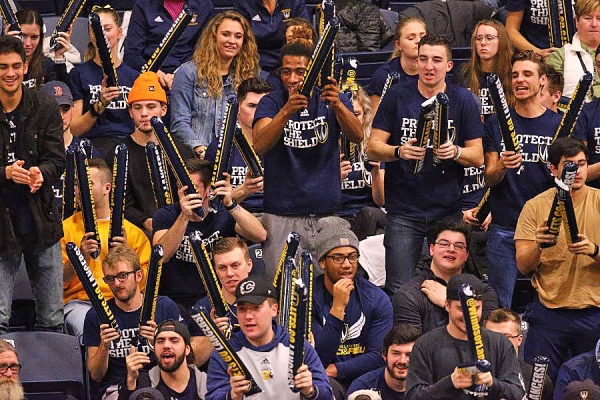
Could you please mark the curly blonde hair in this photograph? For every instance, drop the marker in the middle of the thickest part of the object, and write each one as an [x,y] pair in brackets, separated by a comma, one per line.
[206,55]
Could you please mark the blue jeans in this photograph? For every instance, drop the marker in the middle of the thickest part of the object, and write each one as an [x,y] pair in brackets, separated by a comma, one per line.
[560,333]
[403,243]
[44,268]
[501,257]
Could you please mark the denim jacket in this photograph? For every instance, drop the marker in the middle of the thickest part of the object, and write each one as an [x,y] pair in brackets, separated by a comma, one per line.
[196,116]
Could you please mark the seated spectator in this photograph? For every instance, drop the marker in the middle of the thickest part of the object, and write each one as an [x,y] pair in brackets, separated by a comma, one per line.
[263,346]
[407,35]
[99,111]
[149,23]
[508,323]
[232,264]
[362,27]
[362,179]
[41,69]
[226,54]
[246,189]
[299,28]
[267,19]
[108,348]
[527,26]
[583,367]
[587,129]
[77,302]
[175,374]
[60,92]
[146,99]
[390,381]
[552,91]
[434,360]
[10,385]
[174,224]
[577,57]
[350,316]
[581,390]
[421,301]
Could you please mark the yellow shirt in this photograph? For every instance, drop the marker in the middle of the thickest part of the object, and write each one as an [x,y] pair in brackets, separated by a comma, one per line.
[74,231]
[564,279]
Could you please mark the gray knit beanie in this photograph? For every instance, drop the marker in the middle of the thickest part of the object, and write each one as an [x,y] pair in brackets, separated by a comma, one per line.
[333,232]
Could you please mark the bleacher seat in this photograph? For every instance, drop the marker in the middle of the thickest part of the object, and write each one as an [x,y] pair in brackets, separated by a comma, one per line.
[258,265]
[400,6]
[44,7]
[390,17]
[52,364]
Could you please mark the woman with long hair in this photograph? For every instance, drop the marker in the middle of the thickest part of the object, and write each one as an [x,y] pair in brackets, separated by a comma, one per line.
[490,52]
[407,35]
[41,69]
[99,111]
[362,179]
[225,55]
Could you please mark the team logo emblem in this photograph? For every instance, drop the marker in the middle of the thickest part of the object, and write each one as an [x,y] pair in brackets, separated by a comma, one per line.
[247,287]
[58,91]
[151,88]
[287,12]
[322,132]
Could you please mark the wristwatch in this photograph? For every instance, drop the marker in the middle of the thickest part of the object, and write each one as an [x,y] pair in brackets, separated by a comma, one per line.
[397,152]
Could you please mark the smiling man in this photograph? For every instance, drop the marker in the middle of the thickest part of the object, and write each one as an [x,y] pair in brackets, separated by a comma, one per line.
[414,201]
[108,348]
[31,160]
[420,302]
[564,318]
[516,178]
[350,315]
[175,376]
[390,381]
[435,357]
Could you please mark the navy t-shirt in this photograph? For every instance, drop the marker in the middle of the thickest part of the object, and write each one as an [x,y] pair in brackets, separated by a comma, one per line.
[180,279]
[534,26]
[535,135]
[128,330]
[302,170]
[588,129]
[269,28]
[189,393]
[378,79]
[115,121]
[436,191]
[375,380]
[237,170]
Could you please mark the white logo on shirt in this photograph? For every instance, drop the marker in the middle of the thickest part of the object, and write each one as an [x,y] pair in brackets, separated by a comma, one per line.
[256,18]
[158,19]
[355,330]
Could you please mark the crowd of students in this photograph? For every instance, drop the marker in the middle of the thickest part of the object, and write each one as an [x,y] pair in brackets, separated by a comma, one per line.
[325,157]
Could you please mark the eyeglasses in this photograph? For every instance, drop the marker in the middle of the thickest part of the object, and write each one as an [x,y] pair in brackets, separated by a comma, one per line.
[14,368]
[338,259]
[121,276]
[445,244]
[488,38]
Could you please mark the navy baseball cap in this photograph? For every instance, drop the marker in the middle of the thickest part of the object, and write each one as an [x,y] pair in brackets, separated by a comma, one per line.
[59,91]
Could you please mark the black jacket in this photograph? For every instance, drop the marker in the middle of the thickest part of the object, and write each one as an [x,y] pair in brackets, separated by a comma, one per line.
[39,143]
[362,27]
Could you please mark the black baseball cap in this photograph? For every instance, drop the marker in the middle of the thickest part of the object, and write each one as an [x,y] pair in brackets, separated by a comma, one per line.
[171,325]
[254,290]
[455,283]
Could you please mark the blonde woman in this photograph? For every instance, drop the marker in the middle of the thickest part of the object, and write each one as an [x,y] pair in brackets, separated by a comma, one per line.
[225,55]
[362,180]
